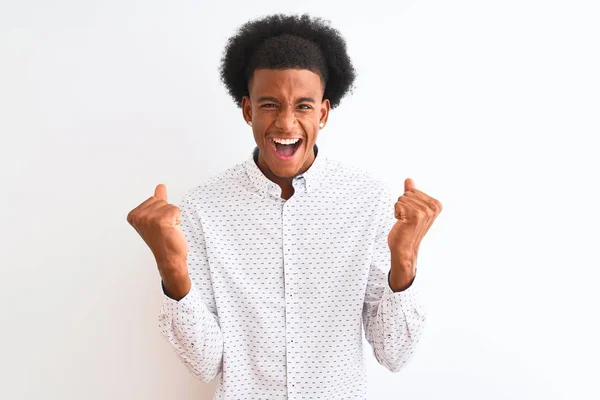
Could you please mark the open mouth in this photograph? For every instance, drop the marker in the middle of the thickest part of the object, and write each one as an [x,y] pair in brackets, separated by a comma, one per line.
[286,151]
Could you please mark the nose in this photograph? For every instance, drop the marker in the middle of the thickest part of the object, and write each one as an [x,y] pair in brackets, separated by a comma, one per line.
[286,119]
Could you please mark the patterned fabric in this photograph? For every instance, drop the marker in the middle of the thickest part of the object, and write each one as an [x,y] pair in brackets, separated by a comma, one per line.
[282,290]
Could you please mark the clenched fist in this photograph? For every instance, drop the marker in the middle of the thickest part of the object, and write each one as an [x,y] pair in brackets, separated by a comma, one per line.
[415,212]
[157,222]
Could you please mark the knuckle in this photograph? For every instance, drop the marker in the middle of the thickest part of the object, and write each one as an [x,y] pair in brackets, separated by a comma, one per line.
[132,218]
[142,221]
[154,219]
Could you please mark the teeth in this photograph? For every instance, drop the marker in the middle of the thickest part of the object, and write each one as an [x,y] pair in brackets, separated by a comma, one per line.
[286,141]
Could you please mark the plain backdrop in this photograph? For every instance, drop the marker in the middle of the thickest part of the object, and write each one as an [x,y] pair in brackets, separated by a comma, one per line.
[492,107]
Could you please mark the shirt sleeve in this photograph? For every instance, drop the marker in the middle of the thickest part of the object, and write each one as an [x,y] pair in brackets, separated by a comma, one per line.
[191,325]
[393,321]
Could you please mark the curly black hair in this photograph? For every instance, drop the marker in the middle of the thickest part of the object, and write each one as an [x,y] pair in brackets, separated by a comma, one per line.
[287,41]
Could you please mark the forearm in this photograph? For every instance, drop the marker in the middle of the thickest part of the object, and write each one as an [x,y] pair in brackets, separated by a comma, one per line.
[194,333]
[176,286]
[402,271]
[395,328]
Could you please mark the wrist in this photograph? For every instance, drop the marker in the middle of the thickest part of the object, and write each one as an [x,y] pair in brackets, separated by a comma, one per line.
[402,270]
[175,279]
[177,289]
[399,282]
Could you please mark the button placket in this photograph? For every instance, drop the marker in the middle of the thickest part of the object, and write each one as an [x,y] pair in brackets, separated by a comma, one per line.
[288,266]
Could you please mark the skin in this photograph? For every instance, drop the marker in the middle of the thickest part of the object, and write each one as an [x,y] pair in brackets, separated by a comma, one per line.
[284,104]
[415,212]
[281,103]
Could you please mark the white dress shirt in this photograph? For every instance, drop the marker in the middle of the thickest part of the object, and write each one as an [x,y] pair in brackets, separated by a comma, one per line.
[282,289]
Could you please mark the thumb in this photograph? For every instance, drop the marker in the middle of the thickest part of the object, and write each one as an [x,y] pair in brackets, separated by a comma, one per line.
[409,185]
[161,192]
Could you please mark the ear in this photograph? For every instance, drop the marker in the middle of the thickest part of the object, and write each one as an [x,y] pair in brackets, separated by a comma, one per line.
[325,108]
[247,109]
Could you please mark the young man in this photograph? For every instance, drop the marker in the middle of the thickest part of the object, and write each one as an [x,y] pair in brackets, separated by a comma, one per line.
[271,269]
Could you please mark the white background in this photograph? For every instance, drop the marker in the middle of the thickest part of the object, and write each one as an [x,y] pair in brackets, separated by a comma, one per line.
[492,107]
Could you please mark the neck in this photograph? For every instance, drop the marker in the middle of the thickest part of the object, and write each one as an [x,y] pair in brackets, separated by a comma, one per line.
[285,183]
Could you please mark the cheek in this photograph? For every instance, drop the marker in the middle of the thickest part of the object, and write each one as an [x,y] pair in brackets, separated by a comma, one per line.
[266,117]
[309,122]
[310,128]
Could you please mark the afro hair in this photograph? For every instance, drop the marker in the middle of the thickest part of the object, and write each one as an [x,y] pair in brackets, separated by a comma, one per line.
[280,42]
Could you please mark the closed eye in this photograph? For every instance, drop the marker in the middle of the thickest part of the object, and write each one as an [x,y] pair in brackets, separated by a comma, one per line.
[268,105]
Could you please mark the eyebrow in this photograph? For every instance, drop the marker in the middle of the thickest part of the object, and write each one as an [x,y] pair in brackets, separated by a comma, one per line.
[306,100]
[275,100]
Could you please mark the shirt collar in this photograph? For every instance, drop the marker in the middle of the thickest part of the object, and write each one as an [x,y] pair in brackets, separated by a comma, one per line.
[308,181]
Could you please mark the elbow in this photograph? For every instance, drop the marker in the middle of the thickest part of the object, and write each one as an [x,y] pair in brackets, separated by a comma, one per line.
[395,367]
[397,362]
[205,371]
[210,364]
[395,358]
[207,375]
[201,351]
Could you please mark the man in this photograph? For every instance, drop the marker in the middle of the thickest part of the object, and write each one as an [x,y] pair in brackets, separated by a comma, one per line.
[271,269]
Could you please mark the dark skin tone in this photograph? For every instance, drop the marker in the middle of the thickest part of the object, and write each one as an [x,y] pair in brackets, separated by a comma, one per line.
[282,104]
[285,104]
[288,104]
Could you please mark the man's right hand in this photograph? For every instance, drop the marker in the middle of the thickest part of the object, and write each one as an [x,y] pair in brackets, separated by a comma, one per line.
[157,222]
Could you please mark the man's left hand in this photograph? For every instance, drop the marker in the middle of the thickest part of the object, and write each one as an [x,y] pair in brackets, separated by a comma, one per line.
[415,212]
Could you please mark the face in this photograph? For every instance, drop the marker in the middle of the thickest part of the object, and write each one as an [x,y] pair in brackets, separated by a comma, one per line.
[285,104]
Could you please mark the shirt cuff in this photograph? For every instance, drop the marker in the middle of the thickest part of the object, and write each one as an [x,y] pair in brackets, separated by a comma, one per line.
[187,310]
[407,300]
